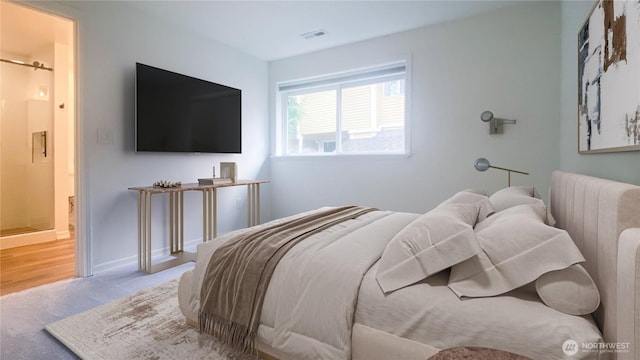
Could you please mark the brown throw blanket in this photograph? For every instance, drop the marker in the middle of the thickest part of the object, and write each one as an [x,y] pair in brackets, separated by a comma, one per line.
[236,280]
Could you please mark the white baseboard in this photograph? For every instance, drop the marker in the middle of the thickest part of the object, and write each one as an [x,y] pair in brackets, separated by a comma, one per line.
[32,238]
[133,260]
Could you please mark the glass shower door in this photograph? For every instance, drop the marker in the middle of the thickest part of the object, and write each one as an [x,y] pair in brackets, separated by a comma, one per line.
[26,159]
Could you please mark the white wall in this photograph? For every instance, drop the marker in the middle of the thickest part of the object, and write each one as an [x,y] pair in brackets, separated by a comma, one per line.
[112,37]
[62,119]
[621,166]
[505,61]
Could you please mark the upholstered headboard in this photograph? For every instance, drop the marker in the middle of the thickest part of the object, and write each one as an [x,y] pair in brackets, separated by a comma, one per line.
[603,218]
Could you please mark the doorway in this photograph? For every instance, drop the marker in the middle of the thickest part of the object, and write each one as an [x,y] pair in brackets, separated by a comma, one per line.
[37,127]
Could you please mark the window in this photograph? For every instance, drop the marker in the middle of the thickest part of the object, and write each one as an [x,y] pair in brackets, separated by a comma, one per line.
[354,113]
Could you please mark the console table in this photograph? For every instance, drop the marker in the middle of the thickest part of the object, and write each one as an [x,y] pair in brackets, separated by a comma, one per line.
[176,219]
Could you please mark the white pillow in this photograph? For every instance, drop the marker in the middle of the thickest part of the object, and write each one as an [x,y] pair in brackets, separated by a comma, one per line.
[472,197]
[512,196]
[569,290]
[433,242]
[518,195]
[517,247]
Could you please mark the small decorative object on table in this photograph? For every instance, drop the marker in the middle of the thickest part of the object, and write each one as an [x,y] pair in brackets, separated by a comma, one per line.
[167,184]
[214,181]
[229,170]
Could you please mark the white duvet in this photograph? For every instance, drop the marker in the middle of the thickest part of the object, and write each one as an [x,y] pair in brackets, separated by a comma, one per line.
[310,305]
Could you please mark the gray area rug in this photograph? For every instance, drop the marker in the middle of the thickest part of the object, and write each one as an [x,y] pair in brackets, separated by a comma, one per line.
[145,325]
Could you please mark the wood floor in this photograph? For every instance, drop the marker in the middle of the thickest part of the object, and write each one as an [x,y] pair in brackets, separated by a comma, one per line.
[25,267]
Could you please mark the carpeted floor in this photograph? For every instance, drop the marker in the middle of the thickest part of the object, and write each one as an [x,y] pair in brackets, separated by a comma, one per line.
[24,314]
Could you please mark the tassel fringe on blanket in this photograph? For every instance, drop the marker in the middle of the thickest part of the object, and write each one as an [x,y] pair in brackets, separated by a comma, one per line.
[238,336]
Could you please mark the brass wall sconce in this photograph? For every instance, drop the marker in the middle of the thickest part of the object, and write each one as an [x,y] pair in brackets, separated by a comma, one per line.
[483,164]
[496,125]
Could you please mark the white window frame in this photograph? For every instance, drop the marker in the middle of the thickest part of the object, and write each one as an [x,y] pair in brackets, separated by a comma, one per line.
[373,75]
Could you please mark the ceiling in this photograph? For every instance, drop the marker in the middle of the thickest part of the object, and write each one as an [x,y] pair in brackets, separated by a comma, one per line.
[25,32]
[268,30]
[271,30]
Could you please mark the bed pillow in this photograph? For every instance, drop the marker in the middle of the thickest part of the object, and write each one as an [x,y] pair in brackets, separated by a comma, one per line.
[512,196]
[472,197]
[569,290]
[517,248]
[518,195]
[433,242]
[534,212]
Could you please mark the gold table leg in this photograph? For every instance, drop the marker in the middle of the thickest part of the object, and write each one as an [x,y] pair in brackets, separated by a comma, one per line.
[253,204]
[176,233]
[209,214]
[144,230]
[176,222]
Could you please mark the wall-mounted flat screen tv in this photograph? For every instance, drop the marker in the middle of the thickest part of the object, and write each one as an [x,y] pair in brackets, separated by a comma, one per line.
[179,113]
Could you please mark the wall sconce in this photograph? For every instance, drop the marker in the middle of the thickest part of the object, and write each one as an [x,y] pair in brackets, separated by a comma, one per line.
[483,164]
[495,124]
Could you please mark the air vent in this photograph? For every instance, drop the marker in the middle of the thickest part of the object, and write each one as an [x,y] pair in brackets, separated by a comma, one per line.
[313,34]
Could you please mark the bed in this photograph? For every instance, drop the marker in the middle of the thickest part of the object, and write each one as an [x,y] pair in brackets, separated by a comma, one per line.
[335,296]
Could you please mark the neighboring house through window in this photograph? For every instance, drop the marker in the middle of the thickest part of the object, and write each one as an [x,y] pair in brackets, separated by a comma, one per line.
[359,112]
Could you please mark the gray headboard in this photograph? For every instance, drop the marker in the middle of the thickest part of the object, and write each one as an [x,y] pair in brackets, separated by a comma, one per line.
[596,212]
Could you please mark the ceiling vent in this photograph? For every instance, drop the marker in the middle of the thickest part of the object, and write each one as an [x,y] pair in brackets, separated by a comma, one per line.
[313,34]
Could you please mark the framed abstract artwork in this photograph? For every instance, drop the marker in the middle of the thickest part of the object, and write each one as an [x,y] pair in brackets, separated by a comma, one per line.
[609,78]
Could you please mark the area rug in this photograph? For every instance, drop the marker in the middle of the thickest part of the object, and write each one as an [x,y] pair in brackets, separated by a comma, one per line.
[145,325]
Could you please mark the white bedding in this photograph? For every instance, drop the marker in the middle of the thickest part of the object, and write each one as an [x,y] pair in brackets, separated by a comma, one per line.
[429,313]
[309,307]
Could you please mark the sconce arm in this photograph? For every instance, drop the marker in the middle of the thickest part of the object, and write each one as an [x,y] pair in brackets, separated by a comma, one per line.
[510,170]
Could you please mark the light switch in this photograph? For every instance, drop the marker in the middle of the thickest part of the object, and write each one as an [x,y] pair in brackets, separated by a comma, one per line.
[105,136]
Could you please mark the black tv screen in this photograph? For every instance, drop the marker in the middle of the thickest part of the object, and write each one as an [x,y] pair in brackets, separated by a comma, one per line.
[179,113]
